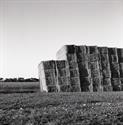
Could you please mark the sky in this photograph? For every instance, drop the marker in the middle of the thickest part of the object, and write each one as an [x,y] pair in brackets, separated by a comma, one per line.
[34,30]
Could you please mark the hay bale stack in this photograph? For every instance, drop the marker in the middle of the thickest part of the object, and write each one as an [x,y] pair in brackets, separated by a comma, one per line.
[63,76]
[68,53]
[47,74]
[84,71]
[115,69]
[95,68]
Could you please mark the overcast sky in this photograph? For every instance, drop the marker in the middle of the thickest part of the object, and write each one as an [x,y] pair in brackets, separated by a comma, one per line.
[34,30]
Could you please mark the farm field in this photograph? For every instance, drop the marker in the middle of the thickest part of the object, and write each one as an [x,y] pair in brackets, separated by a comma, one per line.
[61,108]
[19,87]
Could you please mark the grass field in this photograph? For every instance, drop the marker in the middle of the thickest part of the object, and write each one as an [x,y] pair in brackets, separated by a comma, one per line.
[61,108]
[19,87]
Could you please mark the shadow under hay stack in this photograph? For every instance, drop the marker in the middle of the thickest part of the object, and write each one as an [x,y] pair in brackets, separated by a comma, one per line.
[83,69]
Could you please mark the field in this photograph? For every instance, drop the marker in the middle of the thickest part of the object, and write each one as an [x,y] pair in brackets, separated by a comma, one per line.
[19,87]
[61,108]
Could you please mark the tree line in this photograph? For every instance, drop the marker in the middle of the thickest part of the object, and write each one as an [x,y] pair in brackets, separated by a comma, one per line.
[19,79]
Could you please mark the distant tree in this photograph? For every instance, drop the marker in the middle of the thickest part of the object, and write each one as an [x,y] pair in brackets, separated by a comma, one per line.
[1,79]
[20,79]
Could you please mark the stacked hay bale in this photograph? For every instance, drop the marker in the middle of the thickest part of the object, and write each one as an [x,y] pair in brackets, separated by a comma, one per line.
[47,76]
[120,58]
[84,71]
[105,69]
[115,69]
[68,53]
[94,65]
[63,76]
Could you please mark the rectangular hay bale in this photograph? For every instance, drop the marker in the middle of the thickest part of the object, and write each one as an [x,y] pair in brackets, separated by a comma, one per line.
[93,57]
[93,49]
[61,64]
[73,65]
[48,64]
[65,88]
[63,81]
[72,57]
[74,72]
[113,58]
[50,81]
[116,84]
[50,73]
[74,81]
[85,81]
[112,51]
[75,88]
[52,89]
[107,88]
[106,72]
[63,72]
[82,57]
[81,49]
[103,50]
[106,81]
[84,70]
[88,88]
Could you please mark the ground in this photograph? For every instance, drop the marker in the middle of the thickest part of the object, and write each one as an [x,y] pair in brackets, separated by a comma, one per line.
[104,108]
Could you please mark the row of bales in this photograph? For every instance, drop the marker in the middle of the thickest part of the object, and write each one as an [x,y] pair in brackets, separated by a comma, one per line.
[83,69]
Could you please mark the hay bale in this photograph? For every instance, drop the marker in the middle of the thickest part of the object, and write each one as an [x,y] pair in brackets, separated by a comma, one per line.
[63,81]
[104,58]
[116,84]
[113,58]
[107,88]
[75,88]
[97,81]
[63,72]
[70,49]
[53,89]
[106,81]
[93,57]
[84,69]
[97,84]
[87,88]
[72,57]
[75,81]
[103,50]
[86,81]
[121,70]
[81,49]
[61,64]
[50,73]
[115,73]
[93,49]
[97,88]
[95,73]
[105,65]
[73,65]
[65,88]
[112,51]
[51,81]
[48,64]
[82,57]
[74,72]
[106,72]
[94,65]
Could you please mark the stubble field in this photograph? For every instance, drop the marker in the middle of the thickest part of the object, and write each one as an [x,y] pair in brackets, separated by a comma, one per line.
[61,108]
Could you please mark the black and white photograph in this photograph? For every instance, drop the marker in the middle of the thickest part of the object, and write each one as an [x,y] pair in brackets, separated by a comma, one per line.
[61,62]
